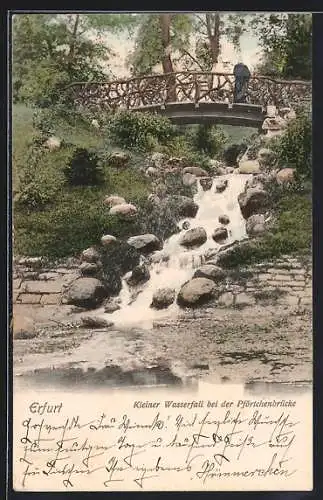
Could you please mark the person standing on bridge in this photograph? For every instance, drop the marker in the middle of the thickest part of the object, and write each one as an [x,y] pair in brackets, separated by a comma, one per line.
[242,76]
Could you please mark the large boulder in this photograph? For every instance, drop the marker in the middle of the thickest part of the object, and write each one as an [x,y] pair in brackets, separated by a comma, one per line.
[86,292]
[255,224]
[196,292]
[117,260]
[197,171]
[188,179]
[211,272]
[108,239]
[159,256]
[206,183]
[249,167]
[220,234]
[224,219]
[53,143]
[125,209]
[252,201]
[95,322]
[140,274]
[152,172]
[285,175]
[119,159]
[145,243]
[90,255]
[162,298]
[221,186]
[258,181]
[90,268]
[113,200]
[193,237]
[182,206]
[111,306]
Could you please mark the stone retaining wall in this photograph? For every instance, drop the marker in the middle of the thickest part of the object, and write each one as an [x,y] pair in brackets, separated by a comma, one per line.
[286,281]
[37,284]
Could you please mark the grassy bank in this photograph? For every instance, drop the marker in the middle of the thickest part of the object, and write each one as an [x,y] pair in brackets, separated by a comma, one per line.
[74,217]
[291,234]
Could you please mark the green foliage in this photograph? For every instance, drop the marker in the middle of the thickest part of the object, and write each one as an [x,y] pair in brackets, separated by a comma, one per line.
[139,131]
[42,83]
[209,140]
[38,185]
[148,50]
[294,147]
[210,29]
[52,50]
[291,234]
[286,40]
[50,218]
[84,169]
[181,146]
[22,135]
[76,221]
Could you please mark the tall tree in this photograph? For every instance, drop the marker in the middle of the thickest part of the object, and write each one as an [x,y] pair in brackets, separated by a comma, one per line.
[165,22]
[286,40]
[52,50]
[210,30]
[160,39]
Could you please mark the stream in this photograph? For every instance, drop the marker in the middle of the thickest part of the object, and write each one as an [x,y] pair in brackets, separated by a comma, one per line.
[175,263]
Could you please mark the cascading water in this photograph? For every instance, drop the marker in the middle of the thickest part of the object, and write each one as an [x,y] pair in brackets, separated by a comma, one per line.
[174,265]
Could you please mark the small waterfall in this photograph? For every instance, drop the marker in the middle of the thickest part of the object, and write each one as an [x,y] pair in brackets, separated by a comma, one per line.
[180,263]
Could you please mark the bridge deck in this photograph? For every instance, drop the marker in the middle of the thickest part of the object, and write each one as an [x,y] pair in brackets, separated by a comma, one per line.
[247,115]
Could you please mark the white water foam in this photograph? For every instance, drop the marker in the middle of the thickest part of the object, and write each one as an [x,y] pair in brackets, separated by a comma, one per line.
[181,262]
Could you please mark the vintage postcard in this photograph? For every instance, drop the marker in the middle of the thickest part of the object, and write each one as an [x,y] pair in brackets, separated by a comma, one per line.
[162,251]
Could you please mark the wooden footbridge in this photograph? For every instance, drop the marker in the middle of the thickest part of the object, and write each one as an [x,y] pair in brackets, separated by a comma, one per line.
[192,97]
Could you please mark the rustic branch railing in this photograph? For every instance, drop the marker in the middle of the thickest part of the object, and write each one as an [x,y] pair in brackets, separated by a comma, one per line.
[185,87]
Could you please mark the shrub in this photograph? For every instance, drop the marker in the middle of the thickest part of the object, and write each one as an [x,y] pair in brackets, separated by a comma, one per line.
[180,147]
[208,139]
[38,184]
[294,147]
[84,169]
[139,131]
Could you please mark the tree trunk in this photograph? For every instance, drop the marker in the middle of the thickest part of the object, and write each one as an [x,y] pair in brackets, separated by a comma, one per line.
[165,21]
[213,32]
[71,53]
